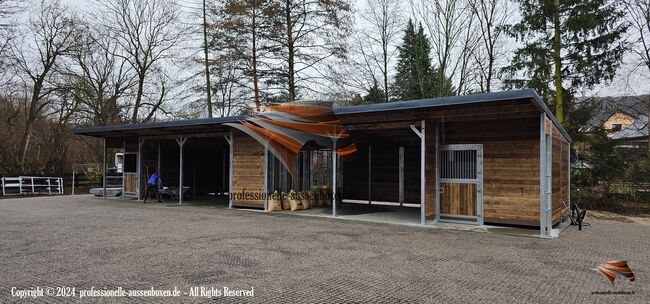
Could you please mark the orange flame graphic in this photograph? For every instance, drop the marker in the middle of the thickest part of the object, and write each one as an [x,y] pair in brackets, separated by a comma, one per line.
[615,269]
[284,129]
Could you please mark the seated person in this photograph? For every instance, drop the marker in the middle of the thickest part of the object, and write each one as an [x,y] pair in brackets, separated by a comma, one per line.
[153,186]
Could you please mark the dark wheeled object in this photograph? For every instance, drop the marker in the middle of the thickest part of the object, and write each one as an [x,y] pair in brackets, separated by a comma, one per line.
[576,215]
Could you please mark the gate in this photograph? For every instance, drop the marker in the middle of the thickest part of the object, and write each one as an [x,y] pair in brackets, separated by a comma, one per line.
[460,183]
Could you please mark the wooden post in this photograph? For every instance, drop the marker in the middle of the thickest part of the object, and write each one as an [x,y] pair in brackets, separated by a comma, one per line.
[401,176]
[334,180]
[104,170]
[369,174]
[230,139]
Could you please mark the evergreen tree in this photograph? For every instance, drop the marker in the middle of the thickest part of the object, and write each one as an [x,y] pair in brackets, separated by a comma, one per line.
[375,94]
[570,42]
[416,78]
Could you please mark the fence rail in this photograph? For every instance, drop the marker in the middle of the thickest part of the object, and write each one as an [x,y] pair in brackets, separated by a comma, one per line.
[32,185]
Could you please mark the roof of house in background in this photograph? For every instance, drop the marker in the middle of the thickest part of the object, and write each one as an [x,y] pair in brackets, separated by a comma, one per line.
[168,127]
[636,130]
[605,107]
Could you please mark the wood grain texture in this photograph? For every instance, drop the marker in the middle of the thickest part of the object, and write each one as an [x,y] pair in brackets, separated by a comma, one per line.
[510,166]
[130,182]
[560,182]
[458,199]
[248,171]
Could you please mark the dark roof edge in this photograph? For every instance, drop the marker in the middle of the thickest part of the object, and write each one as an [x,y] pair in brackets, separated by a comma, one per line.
[550,114]
[378,107]
[160,124]
[457,100]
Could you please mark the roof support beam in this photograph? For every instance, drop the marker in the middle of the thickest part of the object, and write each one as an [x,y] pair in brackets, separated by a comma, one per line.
[181,142]
[334,159]
[423,152]
[230,139]
[369,174]
[104,169]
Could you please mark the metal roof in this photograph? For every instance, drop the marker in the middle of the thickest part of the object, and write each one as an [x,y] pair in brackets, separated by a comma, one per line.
[161,126]
[456,100]
[638,129]
[179,125]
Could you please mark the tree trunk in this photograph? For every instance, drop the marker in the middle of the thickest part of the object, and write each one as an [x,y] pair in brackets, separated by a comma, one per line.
[29,122]
[24,145]
[557,49]
[256,88]
[385,50]
[207,65]
[138,98]
[290,49]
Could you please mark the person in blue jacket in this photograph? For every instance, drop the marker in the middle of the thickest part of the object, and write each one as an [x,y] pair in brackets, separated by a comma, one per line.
[153,186]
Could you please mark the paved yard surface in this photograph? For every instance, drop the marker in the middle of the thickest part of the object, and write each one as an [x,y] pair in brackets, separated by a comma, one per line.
[86,242]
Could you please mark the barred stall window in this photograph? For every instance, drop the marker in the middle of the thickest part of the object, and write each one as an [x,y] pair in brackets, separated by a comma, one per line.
[458,164]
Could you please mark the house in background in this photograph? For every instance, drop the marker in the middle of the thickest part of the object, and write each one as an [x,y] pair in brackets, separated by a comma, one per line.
[624,118]
[634,135]
[617,122]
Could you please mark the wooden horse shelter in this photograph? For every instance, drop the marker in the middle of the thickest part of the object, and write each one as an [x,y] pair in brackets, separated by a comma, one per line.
[485,159]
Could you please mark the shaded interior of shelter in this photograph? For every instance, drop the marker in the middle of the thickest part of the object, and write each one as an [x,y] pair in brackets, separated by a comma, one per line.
[205,167]
[368,181]
[382,180]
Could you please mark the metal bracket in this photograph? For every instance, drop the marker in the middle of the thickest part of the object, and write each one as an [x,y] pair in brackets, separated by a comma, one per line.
[417,132]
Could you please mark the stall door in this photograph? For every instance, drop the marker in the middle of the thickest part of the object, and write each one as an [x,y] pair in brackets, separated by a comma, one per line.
[461,183]
[130,174]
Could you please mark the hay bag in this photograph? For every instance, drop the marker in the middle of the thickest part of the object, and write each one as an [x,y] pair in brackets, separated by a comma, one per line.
[295,205]
[274,205]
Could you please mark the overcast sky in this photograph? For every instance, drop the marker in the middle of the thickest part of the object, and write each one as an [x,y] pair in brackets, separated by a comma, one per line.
[629,80]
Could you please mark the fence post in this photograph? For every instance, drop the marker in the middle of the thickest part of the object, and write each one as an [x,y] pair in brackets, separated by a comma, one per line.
[49,186]
[73,173]
[33,189]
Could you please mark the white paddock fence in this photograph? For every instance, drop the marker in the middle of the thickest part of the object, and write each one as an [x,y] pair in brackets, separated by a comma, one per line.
[32,185]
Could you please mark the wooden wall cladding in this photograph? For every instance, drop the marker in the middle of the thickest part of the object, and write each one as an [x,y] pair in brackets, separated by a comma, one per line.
[130,182]
[458,199]
[560,182]
[510,166]
[248,170]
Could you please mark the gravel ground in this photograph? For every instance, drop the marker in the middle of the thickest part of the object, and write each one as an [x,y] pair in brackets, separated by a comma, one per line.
[86,242]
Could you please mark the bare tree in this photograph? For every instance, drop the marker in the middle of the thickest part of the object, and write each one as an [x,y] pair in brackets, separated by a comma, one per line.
[638,13]
[384,23]
[206,58]
[233,95]
[245,29]
[451,28]
[52,30]
[147,31]
[99,78]
[8,9]
[492,17]
[308,34]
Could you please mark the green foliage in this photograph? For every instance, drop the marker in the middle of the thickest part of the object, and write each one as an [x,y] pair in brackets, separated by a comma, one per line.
[591,40]
[605,159]
[416,78]
[93,173]
[375,94]
[639,171]
[577,118]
